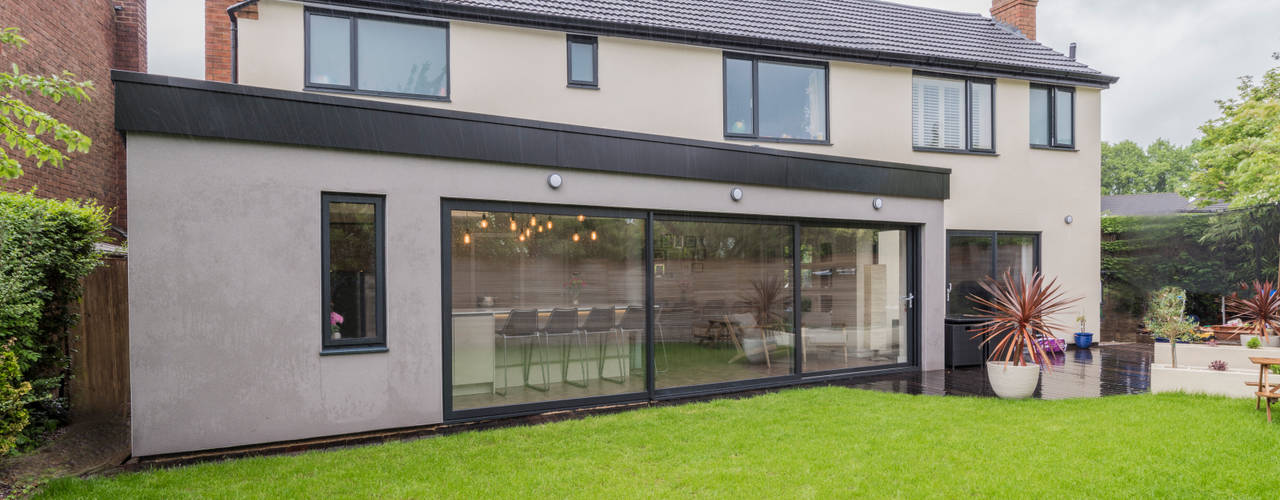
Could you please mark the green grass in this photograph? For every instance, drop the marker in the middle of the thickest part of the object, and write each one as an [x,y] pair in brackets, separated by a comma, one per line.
[807,443]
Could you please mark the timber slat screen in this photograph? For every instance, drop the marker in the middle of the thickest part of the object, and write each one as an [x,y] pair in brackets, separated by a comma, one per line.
[99,386]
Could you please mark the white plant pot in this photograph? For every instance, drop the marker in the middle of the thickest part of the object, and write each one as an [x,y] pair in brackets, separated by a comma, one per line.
[754,348]
[1013,382]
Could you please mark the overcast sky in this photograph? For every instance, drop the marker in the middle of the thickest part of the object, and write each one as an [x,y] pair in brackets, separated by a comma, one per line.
[1173,57]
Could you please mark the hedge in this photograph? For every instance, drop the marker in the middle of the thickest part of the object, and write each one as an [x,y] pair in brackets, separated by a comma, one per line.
[46,247]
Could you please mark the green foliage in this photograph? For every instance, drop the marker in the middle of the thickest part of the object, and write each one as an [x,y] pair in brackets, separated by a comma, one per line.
[46,247]
[23,126]
[13,392]
[1166,315]
[1275,369]
[1205,254]
[1240,152]
[1254,343]
[1128,169]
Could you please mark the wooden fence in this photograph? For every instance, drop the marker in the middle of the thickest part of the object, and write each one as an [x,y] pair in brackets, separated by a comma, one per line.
[99,385]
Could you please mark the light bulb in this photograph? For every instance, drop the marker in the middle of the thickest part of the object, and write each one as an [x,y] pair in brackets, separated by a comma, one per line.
[575,237]
[466,238]
[484,221]
[521,238]
[593,236]
[539,229]
[548,223]
[533,220]
[513,224]
[581,217]
[528,231]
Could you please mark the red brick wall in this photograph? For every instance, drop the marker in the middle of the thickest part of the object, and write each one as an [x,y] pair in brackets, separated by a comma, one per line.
[217,37]
[88,38]
[1020,14]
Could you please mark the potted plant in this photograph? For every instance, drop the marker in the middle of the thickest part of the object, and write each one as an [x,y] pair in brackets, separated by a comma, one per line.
[1261,310]
[1084,339]
[766,302]
[1018,313]
[1166,319]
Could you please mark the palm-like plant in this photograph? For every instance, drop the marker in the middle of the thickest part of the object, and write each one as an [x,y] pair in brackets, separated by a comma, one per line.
[1262,309]
[1018,312]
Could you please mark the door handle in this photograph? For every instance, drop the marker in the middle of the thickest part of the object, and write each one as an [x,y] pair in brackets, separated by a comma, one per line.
[910,299]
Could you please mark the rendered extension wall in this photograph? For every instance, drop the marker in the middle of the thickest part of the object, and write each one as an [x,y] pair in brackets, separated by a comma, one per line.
[225,280]
[676,90]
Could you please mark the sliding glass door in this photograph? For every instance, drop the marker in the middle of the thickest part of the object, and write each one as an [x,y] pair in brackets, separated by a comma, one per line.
[551,306]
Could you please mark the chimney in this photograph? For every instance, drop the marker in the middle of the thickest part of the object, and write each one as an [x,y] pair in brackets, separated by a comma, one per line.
[1018,14]
[130,49]
[217,37]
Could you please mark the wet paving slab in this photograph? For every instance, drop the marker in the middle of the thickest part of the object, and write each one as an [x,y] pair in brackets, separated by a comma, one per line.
[1103,370]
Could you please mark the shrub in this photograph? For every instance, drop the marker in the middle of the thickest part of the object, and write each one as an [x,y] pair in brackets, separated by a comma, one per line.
[1275,369]
[1218,365]
[46,247]
[13,391]
[1254,343]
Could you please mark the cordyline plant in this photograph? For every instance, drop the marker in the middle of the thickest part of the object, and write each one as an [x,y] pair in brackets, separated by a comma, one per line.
[1019,312]
[1262,309]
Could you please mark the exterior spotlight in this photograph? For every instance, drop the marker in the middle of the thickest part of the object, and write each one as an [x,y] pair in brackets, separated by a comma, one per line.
[1069,219]
[555,181]
[877,203]
[735,194]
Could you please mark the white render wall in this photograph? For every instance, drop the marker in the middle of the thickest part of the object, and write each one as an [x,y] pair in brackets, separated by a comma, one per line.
[676,90]
[225,279]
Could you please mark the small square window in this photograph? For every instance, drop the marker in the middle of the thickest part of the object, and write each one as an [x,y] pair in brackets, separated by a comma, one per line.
[582,59]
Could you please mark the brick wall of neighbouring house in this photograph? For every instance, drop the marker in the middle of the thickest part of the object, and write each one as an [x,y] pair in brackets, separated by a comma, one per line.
[217,37]
[1020,14]
[88,38]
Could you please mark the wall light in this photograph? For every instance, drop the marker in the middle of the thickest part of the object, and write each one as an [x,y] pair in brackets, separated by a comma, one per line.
[735,194]
[555,181]
[1068,219]
[877,203]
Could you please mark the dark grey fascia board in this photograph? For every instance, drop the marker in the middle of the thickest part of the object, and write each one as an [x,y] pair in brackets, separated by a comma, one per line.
[198,108]
[730,42]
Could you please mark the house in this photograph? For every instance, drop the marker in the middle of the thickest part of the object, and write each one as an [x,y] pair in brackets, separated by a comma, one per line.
[88,38]
[1155,204]
[400,213]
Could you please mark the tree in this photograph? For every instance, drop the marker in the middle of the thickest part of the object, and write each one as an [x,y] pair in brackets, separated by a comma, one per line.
[1128,169]
[24,128]
[1239,154]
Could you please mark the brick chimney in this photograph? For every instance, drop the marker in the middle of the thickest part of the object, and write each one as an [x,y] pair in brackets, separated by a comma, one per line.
[1018,14]
[130,50]
[217,37]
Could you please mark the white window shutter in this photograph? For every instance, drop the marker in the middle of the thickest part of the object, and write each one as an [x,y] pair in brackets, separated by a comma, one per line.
[937,113]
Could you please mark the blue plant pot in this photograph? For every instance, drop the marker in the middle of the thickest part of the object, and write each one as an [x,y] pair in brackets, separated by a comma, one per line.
[1084,340]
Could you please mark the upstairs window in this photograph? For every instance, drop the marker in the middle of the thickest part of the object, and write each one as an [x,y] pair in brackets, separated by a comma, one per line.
[1053,117]
[377,55]
[776,100]
[952,114]
[583,56]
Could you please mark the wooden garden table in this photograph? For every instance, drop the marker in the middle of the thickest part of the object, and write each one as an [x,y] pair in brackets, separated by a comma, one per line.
[1266,389]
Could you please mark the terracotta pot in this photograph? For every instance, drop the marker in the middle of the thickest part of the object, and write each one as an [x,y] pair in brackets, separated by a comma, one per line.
[1010,381]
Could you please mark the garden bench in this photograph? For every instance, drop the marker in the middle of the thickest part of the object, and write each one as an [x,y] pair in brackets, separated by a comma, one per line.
[1270,391]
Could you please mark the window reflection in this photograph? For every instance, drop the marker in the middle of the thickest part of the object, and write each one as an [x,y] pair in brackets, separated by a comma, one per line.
[545,307]
[852,306]
[724,298]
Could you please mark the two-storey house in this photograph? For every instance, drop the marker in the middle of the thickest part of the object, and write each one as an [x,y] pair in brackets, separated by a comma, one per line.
[408,212]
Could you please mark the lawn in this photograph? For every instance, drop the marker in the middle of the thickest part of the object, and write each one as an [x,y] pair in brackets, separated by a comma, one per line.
[806,443]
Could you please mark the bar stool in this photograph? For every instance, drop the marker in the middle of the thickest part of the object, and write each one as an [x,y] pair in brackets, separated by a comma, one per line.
[600,322]
[522,326]
[563,325]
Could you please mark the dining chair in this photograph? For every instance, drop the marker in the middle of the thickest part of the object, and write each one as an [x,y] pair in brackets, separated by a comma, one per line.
[521,326]
[600,322]
[562,325]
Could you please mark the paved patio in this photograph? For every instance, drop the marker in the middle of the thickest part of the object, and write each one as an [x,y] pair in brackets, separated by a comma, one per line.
[1103,370]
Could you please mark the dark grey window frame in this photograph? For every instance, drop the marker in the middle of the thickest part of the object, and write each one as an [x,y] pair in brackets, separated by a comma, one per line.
[995,254]
[652,393]
[354,87]
[755,97]
[1054,144]
[594,42]
[968,116]
[361,345]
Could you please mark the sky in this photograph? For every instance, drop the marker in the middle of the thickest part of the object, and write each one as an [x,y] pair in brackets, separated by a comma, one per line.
[1174,57]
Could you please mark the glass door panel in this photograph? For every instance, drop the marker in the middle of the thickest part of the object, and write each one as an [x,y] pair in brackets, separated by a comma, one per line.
[724,297]
[968,262]
[545,307]
[854,297]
